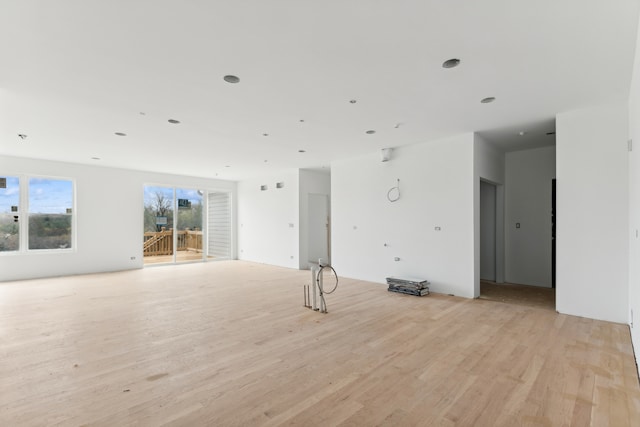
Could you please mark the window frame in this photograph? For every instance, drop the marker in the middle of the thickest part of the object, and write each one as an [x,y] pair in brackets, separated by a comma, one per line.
[24,212]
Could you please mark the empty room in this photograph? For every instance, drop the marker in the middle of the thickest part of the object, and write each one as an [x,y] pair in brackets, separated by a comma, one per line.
[337,213]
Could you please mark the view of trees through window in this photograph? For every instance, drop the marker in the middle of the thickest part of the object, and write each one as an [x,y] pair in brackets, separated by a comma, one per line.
[49,214]
[173,219]
[9,201]
[159,209]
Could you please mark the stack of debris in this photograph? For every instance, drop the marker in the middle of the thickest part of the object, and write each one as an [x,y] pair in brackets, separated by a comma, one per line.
[408,286]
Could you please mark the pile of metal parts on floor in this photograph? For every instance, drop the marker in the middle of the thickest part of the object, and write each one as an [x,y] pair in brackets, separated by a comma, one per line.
[408,286]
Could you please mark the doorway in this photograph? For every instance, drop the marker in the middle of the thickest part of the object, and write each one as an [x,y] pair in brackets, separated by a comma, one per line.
[173,225]
[488,202]
[318,230]
[553,233]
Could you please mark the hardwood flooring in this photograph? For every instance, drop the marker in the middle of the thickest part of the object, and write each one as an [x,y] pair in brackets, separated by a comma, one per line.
[533,296]
[230,344]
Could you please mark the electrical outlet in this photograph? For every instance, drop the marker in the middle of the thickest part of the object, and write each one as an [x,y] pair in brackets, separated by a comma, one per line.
[133,258]
[438,228]
[396,259]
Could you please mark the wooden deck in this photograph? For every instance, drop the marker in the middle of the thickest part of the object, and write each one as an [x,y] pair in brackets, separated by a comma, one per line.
[230,344]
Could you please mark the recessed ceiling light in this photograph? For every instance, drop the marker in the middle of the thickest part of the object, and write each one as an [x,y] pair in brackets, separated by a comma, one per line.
[231,78]
[488,100]
[265,134]
[22,136]
[95,158]
[370,132]
[174,121]
[121,134]
[302,151]
[142,113]
[353,101]
[301,120]
[227,166]
[522,133]
[266,161]
[451,63]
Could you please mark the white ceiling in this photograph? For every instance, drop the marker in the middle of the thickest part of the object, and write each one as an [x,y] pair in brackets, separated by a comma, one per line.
[74,72]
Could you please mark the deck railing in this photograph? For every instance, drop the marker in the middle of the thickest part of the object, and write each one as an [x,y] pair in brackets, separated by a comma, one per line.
[161,242]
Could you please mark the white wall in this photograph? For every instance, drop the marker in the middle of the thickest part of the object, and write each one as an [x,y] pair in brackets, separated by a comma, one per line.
[593,213]
[488,165]
[529,175]
[268,221]
[311,182]
[634,202]
[109,210]
[437,190]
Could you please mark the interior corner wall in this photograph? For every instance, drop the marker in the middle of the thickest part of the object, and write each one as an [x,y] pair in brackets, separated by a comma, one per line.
[109,206]
[429,228]
[592,244]
[268,219]
[634,204]
[310,182]
[529,176]
[488,166]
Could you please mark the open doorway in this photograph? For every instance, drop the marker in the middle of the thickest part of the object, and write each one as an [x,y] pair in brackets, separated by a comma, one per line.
[488,203]
[318,228]
[529,233]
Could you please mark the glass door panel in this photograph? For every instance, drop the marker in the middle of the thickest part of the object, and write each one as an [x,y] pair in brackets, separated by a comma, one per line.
[189,245]
[9,214]
[158,241]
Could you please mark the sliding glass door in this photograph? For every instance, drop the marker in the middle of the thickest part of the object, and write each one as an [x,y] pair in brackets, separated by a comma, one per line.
[189,225]
[186,225]
[158,225]
[173,224]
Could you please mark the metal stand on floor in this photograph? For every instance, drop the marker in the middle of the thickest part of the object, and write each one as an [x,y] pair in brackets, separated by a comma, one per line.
[314,294]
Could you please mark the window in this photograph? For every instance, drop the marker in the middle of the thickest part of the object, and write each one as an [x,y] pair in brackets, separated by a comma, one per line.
[36,214]
[9,202]
[50,213]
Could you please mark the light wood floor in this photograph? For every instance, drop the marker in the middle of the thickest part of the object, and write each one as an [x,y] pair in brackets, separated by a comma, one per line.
[230,344]
[533,296]
[181,256]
